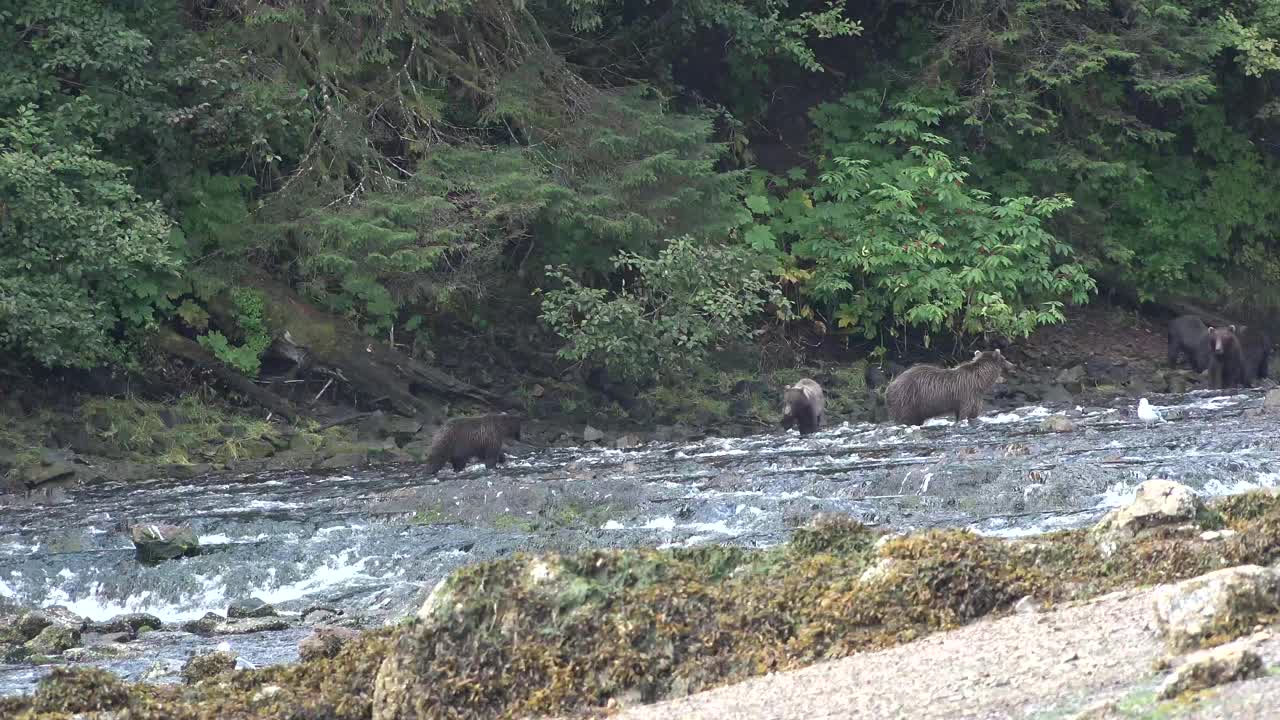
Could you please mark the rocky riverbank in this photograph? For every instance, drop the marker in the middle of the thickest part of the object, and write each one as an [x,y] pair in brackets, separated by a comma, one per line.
[596,630]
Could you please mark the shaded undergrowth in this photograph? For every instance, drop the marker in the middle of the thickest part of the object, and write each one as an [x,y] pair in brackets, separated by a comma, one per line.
[566,634]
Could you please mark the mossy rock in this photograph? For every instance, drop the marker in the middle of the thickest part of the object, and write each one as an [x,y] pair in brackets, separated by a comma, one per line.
[208,665]
[53,640]
[307,442]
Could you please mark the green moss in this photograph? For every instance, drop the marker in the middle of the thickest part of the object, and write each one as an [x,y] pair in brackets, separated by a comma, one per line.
[511,521]
[429,516]
[1243,508]
[832,534]
[177,432]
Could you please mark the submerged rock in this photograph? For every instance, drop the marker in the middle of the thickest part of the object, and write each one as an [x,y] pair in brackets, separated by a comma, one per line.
[1271,401]
[1058,423]
[1213,667]
[251,608]
[1223,604]
[325,642]
[130,624]
[626,442]
[214,624]
[156,543]
[203,667]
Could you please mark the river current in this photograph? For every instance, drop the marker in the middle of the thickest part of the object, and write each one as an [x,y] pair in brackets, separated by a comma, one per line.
[372,543]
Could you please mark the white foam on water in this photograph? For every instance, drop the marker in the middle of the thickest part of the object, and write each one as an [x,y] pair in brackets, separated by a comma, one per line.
[1000,419]
[94,606]
[7,591]
[667,523]
[1216,487]
[337,571]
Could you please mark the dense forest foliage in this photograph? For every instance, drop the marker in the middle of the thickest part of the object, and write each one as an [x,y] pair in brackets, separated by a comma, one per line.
[641,179]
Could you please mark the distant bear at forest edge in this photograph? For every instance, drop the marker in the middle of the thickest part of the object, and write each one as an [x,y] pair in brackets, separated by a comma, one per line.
[480,437]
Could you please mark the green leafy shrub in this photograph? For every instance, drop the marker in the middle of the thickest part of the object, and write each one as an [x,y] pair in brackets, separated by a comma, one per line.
[81,254]
[249,308]
[891,233]
[671,311]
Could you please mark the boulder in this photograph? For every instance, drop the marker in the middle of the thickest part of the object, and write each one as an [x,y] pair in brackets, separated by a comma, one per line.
[306,442]
[251,608]
[1156,502]
[590,434]
[318,615]
[156,543]
[1213,667]
[208,665]
[53,640]
[1056,394]
[342,461]
[1223,604]
[1072,379]
[254,448]
[214,624]
[626,442]
[325,642]
[57,472]
[127,624]
[32,623]
[1271,401]
[1057,424]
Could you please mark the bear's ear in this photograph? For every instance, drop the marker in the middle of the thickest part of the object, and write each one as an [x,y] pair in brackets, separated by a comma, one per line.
[1232,328]
[977,354]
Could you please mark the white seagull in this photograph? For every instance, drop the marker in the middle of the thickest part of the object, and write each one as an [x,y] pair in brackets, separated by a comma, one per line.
[1146,413]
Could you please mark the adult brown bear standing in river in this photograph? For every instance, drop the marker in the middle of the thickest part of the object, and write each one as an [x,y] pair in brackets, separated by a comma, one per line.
[1238,356]
[481,437]
[926,391]
[803,404]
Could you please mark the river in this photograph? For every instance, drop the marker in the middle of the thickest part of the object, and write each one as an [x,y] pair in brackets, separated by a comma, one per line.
[371,543]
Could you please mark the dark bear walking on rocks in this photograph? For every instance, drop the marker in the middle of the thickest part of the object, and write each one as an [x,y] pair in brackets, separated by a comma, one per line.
[926,391]
[1188,335]
[803,404]
[480,437]
[1238,356]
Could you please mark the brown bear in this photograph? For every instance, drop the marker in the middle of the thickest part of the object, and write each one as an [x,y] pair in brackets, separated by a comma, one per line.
[926,391]
[880,375]
[1238,356]
[1188,335]
[480,437]
[803,404]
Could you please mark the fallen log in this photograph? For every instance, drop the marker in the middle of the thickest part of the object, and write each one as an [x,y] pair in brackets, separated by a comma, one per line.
[174,344]
[323,341]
